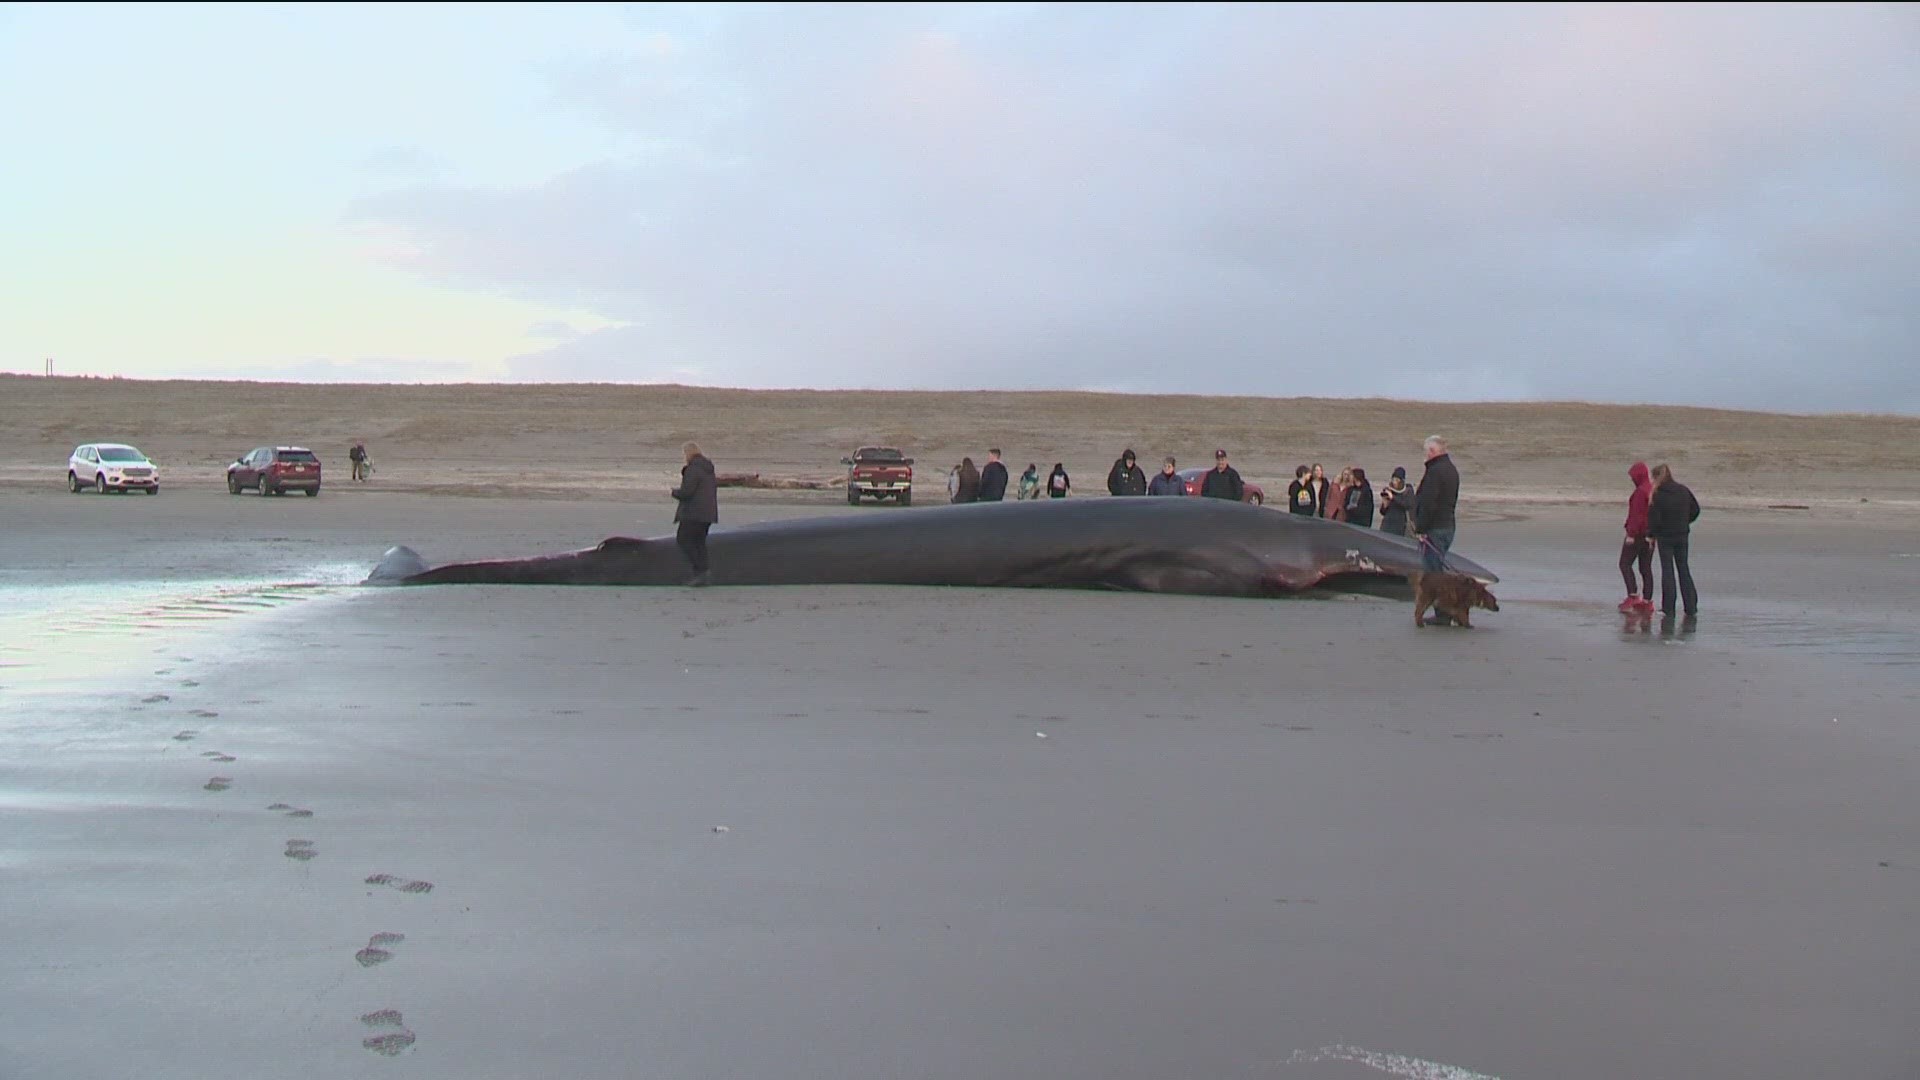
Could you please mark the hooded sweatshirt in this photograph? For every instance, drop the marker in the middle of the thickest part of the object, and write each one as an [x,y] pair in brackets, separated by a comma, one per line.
[1126,478]
[1637,502]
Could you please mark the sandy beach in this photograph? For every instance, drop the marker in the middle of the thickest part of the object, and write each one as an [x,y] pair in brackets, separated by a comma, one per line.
[260,822]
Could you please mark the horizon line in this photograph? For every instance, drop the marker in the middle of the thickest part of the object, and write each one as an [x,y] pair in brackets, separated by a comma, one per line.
[869,390]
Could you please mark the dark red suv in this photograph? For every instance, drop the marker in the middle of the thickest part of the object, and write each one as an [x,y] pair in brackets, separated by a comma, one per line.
[275,470]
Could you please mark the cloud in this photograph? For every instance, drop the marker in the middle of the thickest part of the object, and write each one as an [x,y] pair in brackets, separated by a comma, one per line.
[1689,204]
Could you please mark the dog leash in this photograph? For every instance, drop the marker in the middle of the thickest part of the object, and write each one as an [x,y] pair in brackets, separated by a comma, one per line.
[1428,545]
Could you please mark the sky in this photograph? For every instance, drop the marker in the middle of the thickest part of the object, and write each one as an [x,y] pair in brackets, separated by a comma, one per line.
[1714,205]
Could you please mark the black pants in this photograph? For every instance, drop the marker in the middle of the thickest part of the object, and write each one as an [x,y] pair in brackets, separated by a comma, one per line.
[1640,551]
[1673,556]
[692,538]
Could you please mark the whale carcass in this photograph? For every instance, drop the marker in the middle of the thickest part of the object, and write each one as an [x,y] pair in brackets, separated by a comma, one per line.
[1208,547]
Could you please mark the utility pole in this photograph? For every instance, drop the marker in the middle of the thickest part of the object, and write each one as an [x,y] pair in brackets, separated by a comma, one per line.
[49,367]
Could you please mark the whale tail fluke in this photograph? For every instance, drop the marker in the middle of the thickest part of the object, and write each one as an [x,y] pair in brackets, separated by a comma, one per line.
[397,565]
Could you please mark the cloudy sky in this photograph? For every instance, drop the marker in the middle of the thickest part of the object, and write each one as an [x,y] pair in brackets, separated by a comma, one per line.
[1713,205]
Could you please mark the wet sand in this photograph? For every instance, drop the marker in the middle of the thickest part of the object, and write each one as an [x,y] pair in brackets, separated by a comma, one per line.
[1557,846]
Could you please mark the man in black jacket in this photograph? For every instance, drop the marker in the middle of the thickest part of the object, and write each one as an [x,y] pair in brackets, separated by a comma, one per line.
[1434,503]
[1670,517]
[1125,478]
[1223,481]
[699,499]
[993,479]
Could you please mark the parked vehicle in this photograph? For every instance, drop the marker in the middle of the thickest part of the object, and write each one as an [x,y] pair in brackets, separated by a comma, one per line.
[275,470]
[1194,477]
[879,472]
[107,467]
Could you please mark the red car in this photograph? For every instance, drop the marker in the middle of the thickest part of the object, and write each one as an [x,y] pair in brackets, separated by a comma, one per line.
[275,470]
[1193,478]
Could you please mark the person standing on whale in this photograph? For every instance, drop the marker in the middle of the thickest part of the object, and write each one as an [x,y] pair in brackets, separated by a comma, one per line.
[699,498]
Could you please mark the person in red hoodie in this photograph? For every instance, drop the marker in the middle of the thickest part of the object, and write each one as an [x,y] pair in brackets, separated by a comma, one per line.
[1636,547]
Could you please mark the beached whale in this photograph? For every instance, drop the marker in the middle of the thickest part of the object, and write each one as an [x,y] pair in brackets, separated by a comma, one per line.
[1207,547]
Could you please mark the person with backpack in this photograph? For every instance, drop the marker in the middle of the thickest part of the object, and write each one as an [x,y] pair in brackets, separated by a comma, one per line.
[1058,483]
[1671,512]
[1030,482]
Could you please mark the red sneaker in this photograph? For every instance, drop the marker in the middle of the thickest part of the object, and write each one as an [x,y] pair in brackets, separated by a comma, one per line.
[1629,605]
[1643,604]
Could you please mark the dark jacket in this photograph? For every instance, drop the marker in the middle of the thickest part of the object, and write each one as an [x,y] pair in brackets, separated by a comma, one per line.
[1395,508]
[1058,484]
[1322,488]
[698,493]
[1439,494]
[1359,506]
[358,453]
[993,482]
[1638,501]
[1126,479]
[1300,499]
[1163,484]
[1672,511]
[1224,484]
[969,484]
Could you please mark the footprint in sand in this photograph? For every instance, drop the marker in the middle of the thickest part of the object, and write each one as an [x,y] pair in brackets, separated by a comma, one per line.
[204,714]
[300,850]
[290,811]
[378,950]
[185,736]
[154,699]
[189,683]
[219,783]
[401,884]
[215,755]
[394,1036]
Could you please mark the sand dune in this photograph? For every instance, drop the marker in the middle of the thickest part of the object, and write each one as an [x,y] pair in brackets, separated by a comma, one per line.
[533,440]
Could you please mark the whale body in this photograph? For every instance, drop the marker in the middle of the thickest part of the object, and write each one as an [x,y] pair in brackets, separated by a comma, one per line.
[1207,547]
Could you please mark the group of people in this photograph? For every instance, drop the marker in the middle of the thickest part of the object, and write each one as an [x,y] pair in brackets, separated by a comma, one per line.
[1660,516]
[1660,512]
[967,483]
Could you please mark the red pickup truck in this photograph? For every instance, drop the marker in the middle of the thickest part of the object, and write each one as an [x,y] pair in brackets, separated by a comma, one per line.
[879,472]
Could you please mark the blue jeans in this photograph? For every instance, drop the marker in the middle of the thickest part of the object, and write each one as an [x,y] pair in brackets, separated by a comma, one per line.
[1439,542]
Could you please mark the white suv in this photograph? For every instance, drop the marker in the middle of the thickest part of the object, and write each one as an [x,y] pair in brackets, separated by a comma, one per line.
[111,467]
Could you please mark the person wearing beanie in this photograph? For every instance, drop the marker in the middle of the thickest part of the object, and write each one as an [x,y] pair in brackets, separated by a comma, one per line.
[1396,503]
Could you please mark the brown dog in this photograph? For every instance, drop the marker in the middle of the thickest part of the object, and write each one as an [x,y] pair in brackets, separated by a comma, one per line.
[1449,594]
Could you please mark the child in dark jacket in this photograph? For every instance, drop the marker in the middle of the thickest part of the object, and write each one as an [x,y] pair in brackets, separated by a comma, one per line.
[1637,548]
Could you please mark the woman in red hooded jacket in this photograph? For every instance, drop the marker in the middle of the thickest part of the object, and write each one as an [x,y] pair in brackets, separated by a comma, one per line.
[1636,547]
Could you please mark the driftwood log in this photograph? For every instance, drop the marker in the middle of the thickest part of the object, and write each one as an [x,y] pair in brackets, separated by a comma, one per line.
[777,483]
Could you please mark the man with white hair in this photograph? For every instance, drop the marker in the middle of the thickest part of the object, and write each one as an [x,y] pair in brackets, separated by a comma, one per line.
[1433,505]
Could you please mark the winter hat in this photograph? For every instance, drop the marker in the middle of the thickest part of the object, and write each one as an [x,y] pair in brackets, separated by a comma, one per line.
[1400,472]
